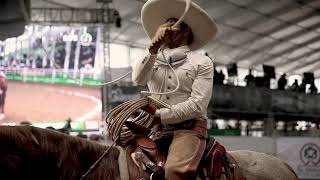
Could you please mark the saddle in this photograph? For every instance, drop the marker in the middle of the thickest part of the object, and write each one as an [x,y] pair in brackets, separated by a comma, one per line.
[145,161]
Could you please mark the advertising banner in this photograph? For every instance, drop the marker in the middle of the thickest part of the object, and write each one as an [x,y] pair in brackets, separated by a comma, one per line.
[48,47]
[54,80]
[303,155]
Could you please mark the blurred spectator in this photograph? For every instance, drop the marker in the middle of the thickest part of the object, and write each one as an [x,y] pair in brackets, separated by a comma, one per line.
[266,81]
[81,135]
[218,77]
[25,123]
[313,89]
[247,129]
[221,77]
[258,81]
[67,127]
[250,79]
[214,125]
[50,128]
[229,126]
[215,76]
[282,82]
[295,86]
[285,127]
[308,126]
[238,124]
[317,124]
[96,137]
[294,126]
[302,87]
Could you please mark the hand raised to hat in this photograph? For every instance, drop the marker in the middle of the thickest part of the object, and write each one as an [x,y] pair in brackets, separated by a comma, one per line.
[164,35]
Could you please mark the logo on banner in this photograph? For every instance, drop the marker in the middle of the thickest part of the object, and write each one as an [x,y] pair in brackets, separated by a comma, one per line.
[85,39]
[310,159]
[310,154]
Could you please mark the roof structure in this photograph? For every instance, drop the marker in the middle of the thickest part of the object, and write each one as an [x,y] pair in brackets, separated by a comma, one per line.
[280,33]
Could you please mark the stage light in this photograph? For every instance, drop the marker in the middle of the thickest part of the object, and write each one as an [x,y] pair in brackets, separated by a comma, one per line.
[118,22]
[117,19]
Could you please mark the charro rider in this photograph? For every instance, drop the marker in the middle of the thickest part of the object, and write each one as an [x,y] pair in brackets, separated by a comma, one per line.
[172,47]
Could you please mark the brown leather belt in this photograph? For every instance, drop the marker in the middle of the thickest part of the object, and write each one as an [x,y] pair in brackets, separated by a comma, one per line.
[187,125]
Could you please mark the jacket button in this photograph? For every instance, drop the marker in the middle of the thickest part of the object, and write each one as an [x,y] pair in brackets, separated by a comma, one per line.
[168,98]
[156,69]
[168,87]
[169,77]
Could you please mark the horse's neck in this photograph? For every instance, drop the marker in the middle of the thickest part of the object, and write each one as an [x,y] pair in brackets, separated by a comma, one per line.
[77,155]
[43,154]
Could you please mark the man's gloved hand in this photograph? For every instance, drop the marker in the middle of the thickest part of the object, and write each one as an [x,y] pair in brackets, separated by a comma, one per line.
[152,110]
[164,35]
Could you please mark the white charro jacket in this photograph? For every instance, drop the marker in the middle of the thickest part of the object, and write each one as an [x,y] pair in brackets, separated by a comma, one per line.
[195,73]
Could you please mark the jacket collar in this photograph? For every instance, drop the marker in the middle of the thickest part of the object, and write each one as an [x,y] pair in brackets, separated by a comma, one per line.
[172,56]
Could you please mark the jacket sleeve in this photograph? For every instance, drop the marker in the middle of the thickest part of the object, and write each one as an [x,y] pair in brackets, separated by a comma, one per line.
[197,103]
[142,68]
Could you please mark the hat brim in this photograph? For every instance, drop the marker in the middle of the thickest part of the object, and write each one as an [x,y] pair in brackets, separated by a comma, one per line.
[156,12]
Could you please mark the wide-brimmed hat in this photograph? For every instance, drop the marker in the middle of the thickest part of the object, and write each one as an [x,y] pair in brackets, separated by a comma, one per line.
[156,12]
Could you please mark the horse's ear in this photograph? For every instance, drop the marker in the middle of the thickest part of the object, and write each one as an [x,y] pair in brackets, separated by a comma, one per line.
[137,129]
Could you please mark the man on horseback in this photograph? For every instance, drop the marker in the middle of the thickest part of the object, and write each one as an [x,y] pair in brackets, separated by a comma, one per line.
[171,65]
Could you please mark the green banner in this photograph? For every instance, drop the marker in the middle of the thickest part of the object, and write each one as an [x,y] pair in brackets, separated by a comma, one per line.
[54,80]
[75,126]
[224,132]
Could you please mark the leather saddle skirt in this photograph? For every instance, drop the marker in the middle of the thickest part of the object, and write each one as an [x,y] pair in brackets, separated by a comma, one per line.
[146,162]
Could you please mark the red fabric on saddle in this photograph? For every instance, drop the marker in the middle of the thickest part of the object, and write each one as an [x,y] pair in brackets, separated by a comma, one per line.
[218,160]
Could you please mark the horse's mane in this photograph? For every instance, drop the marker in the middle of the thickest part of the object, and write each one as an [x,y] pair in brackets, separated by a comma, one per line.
[67,156]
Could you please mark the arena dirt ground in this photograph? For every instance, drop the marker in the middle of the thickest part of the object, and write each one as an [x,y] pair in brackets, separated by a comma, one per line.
[36,102]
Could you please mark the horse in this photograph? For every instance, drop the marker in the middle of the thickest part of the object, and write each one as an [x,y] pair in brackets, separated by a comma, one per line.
[28,152]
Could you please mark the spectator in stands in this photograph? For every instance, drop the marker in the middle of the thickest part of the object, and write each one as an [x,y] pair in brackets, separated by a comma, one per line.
[282,82]
[313,89]
[295,86]
[67,127]
[317,124]
[214,125]
[221,77]
[81,135]
[247,129]
[218,77]
[266,81]
[249,79]
[238,124]
[229,126]
[285,127]
[50,128]
[215,76]
[95,137]
[25,123]
[302,87]
[258,81]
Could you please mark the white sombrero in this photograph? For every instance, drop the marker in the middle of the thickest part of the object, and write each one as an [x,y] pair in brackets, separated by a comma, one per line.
[156,12]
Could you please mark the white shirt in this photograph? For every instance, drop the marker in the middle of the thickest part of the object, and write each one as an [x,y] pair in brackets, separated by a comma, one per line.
[194,93]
